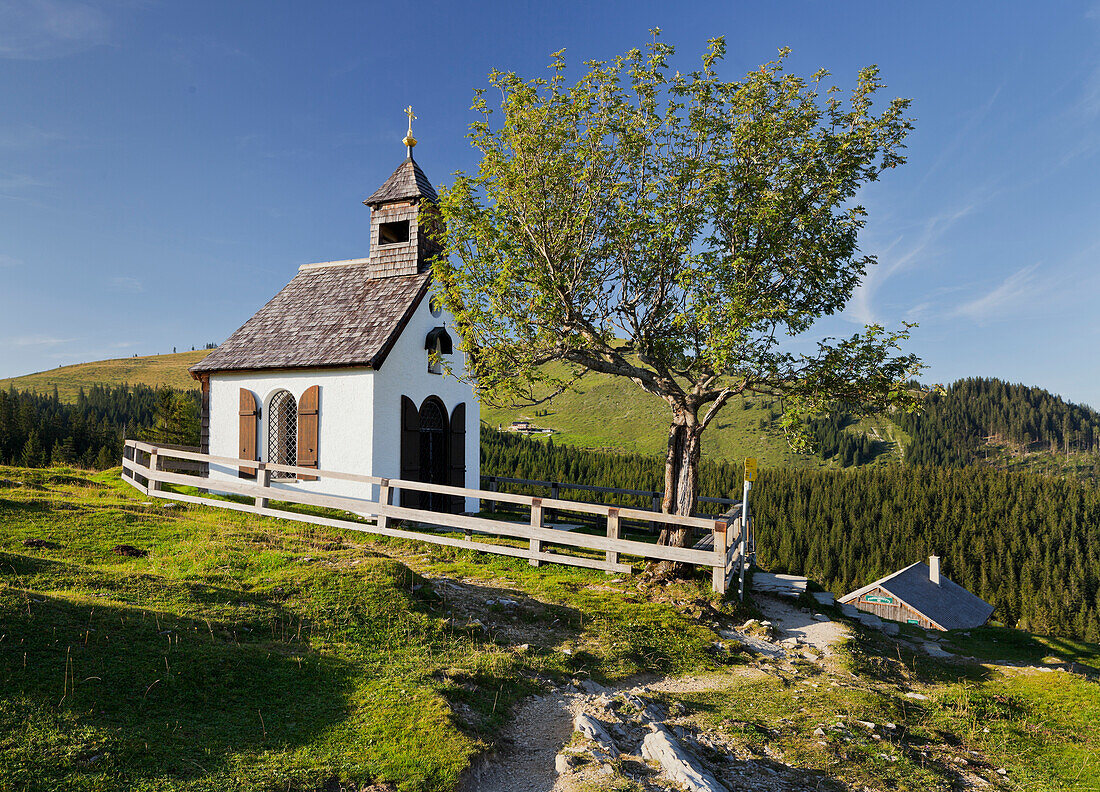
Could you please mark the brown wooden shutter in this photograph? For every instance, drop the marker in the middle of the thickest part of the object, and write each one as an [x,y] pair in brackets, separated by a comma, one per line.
[410,450]
[308,416]
[249,416]
[457,447]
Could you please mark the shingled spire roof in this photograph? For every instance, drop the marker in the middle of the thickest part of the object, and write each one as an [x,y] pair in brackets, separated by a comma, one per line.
[406,183]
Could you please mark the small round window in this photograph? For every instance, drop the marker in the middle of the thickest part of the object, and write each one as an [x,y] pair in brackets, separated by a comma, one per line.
[435,305]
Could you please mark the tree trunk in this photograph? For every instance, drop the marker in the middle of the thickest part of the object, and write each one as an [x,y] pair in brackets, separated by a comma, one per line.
[681,476]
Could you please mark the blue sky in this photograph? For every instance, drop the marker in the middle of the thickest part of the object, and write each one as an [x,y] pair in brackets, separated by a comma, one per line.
[165,167]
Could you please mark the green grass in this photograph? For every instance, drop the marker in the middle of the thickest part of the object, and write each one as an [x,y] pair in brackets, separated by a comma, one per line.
[1018,646]
[152,370]
[244,653]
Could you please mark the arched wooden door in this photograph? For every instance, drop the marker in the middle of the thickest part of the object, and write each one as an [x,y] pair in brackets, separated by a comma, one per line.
[434,460]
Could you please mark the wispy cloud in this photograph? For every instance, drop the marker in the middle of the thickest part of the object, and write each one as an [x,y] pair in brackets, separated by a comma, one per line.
[861,309]
[14,182]
[24,136]
[966,133]
[998,301]
[127,285]
[36,340]
[42,29]
[9,261]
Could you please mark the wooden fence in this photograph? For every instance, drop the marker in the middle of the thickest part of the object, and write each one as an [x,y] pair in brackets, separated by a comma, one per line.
[150,467]
[650,499]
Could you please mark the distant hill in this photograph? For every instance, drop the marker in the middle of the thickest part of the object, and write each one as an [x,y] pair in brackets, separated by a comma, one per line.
[1006,426]
[151,370]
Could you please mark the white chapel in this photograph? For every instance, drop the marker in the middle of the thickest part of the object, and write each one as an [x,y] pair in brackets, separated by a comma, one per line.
[336,372]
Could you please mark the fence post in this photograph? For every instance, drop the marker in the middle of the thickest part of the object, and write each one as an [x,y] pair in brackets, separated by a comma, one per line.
[536,522]
[555,493]
[493,487]
[614,531]
[656,501]
[154,465]
[385,498]
[264,480]
[718,572]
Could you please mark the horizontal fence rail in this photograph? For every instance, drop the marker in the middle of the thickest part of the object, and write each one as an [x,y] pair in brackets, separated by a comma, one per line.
[152,468]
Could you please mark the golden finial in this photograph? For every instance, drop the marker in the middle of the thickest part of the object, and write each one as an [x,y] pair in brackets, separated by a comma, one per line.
[409,140]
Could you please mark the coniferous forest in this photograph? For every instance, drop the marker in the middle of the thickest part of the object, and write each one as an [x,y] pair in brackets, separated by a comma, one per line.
[37,430]
[1028,544]
[956,427]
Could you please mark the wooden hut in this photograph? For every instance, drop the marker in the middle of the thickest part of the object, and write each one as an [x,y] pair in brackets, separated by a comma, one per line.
[921,595]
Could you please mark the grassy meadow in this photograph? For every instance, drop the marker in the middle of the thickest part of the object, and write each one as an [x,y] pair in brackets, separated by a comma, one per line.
[245,653]
[249,653]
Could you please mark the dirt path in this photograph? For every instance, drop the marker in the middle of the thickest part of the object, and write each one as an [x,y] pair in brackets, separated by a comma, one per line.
[537,732]
[544,725]
[795,623]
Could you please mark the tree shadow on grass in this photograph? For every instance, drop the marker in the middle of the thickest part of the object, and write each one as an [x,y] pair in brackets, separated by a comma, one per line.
[876,657]
[108,696]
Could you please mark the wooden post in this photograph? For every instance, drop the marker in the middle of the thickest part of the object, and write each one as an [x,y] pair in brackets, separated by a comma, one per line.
[555,493]
[385,498]
[614,531]
[493,487]
[264,481]
[718,572]
[656,507]
[154,466]
[536,522]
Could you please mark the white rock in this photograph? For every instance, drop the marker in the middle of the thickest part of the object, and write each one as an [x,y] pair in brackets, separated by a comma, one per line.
[659,746]
[917,696]
[563,763]
[594,730]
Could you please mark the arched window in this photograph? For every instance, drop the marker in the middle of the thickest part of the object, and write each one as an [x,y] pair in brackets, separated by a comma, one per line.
[282,432]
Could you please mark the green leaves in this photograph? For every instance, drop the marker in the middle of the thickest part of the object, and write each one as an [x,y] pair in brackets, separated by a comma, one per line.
[674,228]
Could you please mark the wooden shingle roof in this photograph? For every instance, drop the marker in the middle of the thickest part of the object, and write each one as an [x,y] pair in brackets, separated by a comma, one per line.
[329,315]
[407,183]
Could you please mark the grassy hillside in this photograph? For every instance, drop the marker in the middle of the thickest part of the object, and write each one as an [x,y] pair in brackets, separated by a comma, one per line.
[152,370]
[246,653]
[614,413]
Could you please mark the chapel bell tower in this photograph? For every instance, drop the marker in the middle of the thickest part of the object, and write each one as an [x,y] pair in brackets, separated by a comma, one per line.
[398,242]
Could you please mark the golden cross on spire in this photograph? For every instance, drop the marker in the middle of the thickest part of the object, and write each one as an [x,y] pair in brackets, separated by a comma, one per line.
[409,140]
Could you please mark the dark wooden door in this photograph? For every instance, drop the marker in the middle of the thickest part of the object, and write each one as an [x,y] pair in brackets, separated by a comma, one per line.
[434,463]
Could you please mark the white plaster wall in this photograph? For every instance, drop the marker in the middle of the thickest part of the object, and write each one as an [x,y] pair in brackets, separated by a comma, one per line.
[405,373]
[360,411]
[345,430]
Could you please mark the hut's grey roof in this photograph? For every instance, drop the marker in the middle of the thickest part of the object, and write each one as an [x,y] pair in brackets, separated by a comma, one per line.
[329,315]
[406,183]
[946,603]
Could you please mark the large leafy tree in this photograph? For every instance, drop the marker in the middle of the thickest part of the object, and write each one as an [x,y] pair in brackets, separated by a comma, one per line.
[676,229]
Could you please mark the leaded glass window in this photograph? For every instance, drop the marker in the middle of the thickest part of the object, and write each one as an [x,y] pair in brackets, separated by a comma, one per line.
[282,432]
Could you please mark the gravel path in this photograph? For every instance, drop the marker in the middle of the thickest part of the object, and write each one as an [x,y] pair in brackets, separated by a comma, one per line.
[793,622]
[543,725]
[537,732]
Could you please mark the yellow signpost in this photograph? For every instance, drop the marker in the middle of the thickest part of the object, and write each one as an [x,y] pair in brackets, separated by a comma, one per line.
[750,468]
